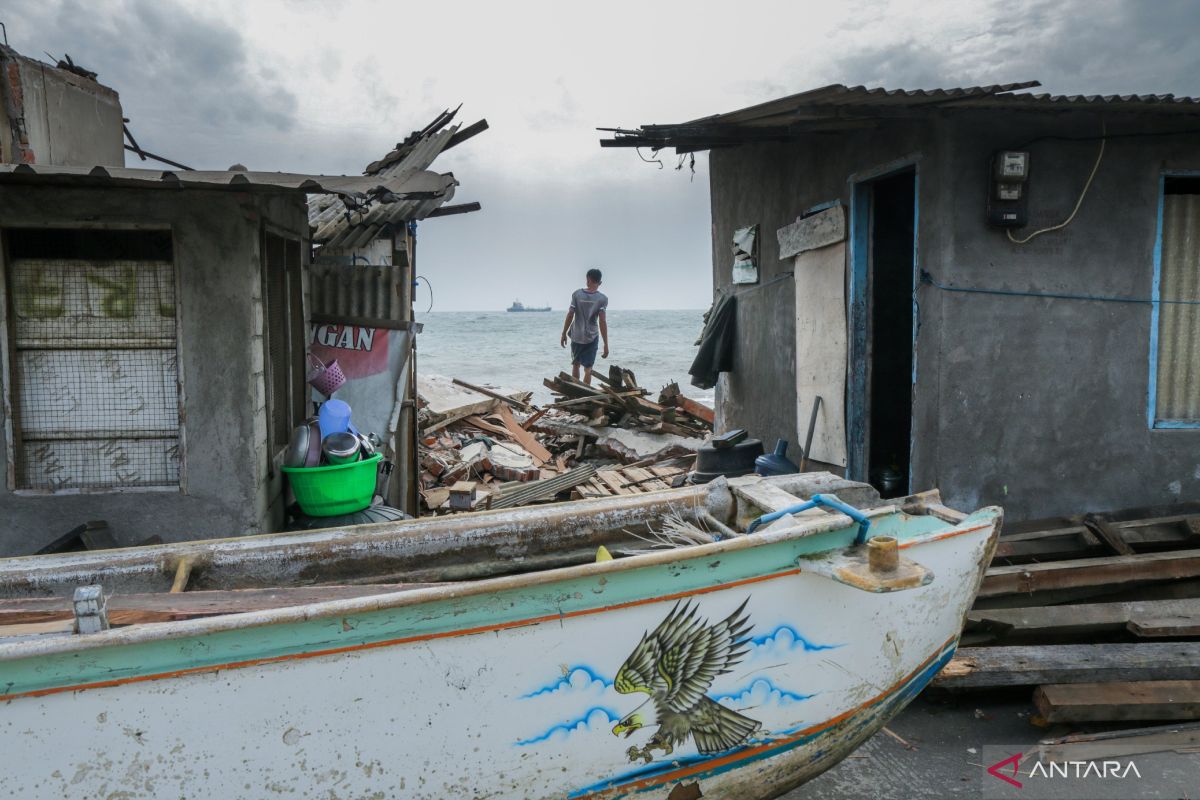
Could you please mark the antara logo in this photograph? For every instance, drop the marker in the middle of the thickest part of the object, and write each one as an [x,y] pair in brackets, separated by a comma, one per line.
[1062,769]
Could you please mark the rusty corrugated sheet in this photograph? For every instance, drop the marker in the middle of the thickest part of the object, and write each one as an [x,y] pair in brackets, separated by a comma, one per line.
[335,228]
[371,292]
[1178,391]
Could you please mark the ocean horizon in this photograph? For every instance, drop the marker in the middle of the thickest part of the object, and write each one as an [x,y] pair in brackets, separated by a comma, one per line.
[518,350]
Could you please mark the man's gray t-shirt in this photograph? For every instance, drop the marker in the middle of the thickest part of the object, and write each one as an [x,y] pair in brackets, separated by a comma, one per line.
[587,305]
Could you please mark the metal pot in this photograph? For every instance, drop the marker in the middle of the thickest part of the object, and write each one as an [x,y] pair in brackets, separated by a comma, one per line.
[304,449]
[341,448]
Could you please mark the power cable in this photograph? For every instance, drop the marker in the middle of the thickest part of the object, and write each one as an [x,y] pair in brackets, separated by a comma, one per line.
[1078,203]
[428,286]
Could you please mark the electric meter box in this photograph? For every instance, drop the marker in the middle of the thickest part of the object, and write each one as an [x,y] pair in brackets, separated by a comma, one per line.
[1008,189]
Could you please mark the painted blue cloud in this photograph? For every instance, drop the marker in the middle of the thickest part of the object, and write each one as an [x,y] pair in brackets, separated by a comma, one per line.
[577,679]
[761,692]
[596,718]
[785,638]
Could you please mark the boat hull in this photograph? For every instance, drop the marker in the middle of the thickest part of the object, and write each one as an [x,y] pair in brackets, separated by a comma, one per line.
[506,689]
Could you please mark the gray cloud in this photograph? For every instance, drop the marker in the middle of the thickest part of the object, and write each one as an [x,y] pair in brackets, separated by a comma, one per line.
[1082,46]
[186,80]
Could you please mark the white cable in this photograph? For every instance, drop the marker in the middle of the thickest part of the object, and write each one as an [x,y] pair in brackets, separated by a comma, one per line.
[1083,194]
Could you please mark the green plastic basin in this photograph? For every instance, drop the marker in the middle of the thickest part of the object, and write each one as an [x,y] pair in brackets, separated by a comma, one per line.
[333,490]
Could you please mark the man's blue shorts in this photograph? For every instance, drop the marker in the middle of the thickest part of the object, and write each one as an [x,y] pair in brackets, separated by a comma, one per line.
[584,354]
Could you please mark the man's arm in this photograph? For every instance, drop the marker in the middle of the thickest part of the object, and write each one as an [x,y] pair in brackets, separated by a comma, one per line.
[603,320]
[566,326]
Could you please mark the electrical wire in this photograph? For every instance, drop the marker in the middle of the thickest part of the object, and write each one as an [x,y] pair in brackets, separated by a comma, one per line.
[1078,203]
[428,286]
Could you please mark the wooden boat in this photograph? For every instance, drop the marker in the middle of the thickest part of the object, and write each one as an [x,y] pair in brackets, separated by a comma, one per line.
[744,666]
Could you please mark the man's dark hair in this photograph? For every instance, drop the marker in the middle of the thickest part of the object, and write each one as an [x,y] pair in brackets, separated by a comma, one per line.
[593,275]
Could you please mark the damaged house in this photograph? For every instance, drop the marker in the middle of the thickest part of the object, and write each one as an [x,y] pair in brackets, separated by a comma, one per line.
[985,289]
[155,325]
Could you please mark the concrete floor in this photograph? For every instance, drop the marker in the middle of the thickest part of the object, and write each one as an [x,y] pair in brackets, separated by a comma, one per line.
[946,733]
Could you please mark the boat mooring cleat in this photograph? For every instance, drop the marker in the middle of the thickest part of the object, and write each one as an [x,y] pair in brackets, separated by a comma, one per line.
[875,567]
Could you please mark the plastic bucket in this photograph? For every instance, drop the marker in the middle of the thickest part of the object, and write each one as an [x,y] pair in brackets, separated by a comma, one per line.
[334,490]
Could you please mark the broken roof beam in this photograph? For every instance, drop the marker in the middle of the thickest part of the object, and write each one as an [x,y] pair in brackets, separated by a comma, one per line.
[447,211]
[466,133]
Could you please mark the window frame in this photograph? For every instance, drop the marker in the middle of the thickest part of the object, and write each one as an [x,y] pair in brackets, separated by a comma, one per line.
[294,330]
[12,433]
[1155,305]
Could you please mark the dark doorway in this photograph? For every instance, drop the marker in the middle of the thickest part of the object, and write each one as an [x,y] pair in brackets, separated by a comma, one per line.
[890,333]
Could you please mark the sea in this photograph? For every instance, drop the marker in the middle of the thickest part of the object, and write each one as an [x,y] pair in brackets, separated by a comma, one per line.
[518,350]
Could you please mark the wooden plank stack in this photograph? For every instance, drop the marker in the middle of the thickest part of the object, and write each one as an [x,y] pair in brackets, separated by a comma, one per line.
[617,400]
[1100,614]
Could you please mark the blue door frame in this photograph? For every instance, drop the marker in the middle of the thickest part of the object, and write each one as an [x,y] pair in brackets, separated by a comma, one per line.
[859,312]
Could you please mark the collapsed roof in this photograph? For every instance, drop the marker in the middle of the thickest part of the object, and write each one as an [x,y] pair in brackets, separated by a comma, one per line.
[347,221]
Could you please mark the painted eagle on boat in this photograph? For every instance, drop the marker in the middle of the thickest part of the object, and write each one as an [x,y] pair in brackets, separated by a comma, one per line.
[675,665]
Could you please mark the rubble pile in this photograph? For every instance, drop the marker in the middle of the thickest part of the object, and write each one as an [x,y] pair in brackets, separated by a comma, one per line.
[490,447]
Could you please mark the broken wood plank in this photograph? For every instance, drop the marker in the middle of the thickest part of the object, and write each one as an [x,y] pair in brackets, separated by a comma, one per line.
[672,396]
[1122,743]
[38,628]
[1077,573]
[491,427]
[1119,702]
[1108,534]
[1162,627]
[1084,618]
[523,437]
[766,496]
[527,424]
[183,571]
[613,480]
[977,667]
[646,480]
[518,404]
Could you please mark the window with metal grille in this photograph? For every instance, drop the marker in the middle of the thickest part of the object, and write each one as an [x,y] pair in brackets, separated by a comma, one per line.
[95,379]
[283,301]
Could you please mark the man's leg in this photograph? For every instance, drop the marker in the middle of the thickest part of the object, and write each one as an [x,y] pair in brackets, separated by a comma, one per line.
[587,357]
[575,371]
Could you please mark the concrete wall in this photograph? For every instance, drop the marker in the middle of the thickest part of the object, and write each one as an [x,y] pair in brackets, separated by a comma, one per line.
[228,485]
[51,116]
[1036,404]
[771,185]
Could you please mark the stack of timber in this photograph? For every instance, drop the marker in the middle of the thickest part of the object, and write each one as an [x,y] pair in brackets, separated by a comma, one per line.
[1101,614]
[617,400]
[620,480]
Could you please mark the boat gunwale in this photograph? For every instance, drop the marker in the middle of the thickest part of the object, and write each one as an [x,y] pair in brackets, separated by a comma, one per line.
[182,629]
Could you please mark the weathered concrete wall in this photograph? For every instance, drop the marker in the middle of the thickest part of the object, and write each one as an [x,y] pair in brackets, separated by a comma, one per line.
[1043,402]
[1036,404]
[771,185]
[51,116]
[228,487]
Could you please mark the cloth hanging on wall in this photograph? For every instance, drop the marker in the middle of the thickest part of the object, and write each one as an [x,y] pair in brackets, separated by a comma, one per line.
[716,343]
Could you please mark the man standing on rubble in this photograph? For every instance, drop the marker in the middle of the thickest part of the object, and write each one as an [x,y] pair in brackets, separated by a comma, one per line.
[586,324]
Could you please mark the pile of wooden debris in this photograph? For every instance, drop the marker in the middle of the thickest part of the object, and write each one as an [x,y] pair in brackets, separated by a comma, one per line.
[487,447]
[618,401]
[1100,613]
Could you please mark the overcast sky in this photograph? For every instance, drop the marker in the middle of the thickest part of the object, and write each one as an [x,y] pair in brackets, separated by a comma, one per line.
[313,86]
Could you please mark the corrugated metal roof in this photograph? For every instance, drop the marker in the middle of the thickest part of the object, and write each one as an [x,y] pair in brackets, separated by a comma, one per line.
[363,186]
[835,107]
[336,226]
